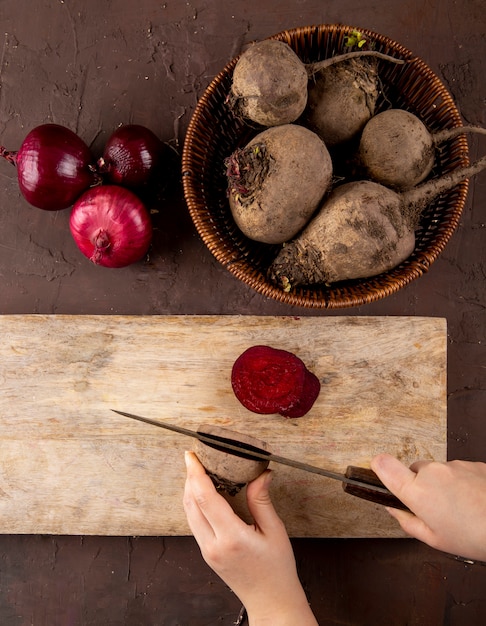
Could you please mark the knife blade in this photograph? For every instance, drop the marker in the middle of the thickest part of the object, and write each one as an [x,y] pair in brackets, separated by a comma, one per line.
[357,481]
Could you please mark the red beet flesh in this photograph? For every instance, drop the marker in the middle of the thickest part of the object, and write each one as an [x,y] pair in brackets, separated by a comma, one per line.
[312,387]
[267,380]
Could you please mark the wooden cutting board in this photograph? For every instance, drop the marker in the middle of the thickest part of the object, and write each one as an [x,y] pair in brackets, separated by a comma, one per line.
[68,465]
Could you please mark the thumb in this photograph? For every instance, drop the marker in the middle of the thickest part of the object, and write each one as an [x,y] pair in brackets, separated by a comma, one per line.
[260,504]
[396,476]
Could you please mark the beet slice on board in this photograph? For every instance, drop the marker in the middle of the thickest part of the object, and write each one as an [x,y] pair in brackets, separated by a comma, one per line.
[312,388]
[267,380]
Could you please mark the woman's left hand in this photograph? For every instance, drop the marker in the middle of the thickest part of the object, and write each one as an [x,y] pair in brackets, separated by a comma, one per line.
[255,560]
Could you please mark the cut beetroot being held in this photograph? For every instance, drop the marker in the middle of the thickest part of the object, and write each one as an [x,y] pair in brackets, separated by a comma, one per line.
[268,380]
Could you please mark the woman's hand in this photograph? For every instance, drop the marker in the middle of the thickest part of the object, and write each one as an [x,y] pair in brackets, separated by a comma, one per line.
[255,560]
[448,501]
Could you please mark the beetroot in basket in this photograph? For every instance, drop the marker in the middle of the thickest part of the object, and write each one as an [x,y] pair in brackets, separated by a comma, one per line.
[215,132]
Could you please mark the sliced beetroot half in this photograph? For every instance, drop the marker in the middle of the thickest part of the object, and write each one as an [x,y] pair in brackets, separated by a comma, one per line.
[267,380]
[312,388]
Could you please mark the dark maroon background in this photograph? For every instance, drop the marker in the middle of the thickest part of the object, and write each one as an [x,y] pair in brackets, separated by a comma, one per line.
[94,64]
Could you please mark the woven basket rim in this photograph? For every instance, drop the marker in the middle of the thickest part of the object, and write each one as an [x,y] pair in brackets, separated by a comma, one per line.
[339,295]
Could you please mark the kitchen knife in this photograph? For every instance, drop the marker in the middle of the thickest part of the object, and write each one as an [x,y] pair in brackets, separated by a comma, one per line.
[357,481]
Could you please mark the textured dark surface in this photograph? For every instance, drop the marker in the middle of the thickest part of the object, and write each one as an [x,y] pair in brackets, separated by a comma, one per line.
[92,65]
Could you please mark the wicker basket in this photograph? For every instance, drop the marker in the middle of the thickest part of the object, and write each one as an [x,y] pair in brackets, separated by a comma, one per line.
[214,133]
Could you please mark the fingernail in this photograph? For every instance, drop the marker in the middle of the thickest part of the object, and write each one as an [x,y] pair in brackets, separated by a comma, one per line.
[268,478]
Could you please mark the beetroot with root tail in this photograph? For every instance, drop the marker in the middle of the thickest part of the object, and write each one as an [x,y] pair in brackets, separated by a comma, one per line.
[362,229]
[397,150]
[267,380]
[270,84]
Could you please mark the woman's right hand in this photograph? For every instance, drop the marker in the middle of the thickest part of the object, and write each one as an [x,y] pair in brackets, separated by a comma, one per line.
[447,500]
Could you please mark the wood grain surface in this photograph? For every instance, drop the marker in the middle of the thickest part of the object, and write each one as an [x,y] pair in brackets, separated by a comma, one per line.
[68,465]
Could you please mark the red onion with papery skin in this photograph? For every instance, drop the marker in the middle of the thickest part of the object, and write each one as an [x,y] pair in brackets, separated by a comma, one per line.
[54,167]
[131,156]
[111,226]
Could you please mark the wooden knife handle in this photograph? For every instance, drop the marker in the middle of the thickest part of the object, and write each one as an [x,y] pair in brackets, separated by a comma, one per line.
[368,492]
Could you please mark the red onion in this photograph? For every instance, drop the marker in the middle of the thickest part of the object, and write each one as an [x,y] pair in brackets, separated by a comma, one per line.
[111,226]
[131,155]
[54,167]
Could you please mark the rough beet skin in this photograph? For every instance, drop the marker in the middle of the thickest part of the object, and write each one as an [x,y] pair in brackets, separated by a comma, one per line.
[268,380]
